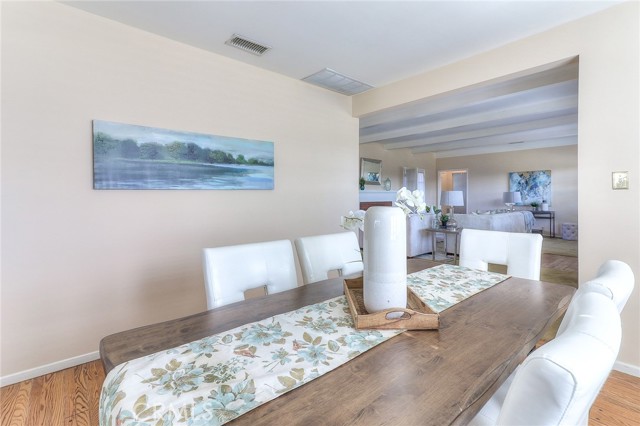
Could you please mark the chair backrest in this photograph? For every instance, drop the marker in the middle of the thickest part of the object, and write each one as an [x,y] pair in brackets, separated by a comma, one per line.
[230,271]
[332,252]
[558,383]
[614,279]
[521,253]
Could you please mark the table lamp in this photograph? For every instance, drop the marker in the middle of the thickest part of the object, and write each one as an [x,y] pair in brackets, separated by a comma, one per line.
[511,198]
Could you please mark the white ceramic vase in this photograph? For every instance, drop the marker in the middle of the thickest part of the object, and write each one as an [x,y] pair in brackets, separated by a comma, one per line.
[385,259]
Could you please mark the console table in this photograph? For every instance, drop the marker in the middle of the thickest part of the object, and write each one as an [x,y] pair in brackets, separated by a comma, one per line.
[551,215]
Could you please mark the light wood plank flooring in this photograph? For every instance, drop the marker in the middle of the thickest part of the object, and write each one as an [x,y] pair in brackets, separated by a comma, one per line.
[68,397]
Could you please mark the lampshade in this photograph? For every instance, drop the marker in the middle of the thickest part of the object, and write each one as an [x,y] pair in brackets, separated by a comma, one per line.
[511,197]
[452,198]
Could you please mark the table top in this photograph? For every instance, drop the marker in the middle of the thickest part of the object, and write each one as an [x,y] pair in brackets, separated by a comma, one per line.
[428,377]
[444,230]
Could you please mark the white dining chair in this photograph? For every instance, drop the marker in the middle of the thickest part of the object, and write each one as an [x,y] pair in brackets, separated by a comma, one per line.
[232,270]
[558,383]
[318,255]
[614,280]
[520,252]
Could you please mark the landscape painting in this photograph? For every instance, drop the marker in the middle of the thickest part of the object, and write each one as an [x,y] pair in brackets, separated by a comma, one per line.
[127,156]
[534,186]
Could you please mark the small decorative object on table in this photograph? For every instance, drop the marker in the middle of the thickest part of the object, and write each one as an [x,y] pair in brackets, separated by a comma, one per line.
[362,182]
[416,316]
[534,205]
[444,219]
[387,184]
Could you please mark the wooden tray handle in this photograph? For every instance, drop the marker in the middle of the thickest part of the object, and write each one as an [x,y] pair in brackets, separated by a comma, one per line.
[404,311]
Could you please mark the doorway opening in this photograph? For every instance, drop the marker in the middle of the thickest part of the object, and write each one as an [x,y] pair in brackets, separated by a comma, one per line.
[453,180]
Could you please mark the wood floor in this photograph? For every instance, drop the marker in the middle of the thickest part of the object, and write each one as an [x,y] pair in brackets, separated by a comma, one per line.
[71,397]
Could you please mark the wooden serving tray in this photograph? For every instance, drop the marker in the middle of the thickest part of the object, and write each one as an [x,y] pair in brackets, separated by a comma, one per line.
[416,316]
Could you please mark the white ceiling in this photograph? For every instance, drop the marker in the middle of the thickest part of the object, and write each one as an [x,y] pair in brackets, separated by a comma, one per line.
[379,42]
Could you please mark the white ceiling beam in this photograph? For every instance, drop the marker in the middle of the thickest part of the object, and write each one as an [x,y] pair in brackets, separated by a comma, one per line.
[548,143]
[561,131]
[484,132]
[504,113]
[558,77]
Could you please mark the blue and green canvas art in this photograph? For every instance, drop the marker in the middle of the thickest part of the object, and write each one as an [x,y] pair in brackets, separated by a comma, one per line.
[127,156]
[532,186]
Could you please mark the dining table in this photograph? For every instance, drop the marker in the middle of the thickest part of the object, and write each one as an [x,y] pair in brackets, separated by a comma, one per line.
[438,376]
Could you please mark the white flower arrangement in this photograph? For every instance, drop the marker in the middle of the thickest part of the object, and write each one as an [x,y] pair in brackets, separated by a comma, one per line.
[353,221]
[409,202]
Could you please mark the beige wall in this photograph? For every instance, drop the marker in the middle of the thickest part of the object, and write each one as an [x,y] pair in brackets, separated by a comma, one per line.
[394,160]
[79,264]
[608,47]
[488,179]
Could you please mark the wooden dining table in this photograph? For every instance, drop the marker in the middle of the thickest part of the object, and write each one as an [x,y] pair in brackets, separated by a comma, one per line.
[421,377]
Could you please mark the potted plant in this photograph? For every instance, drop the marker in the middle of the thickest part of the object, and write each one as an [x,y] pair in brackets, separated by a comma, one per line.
[362,182]
[534,205]
[444,219]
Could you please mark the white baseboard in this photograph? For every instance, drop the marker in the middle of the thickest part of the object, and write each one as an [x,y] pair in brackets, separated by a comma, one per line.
[48,368]
[623,367]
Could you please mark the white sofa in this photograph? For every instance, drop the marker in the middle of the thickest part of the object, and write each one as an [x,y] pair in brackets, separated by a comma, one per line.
[418,240]
[517,221]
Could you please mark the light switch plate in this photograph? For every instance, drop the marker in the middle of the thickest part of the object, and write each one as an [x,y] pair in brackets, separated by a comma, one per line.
[620,180]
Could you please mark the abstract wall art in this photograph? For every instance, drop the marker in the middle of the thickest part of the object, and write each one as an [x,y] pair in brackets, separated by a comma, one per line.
[534,186]
[127,156]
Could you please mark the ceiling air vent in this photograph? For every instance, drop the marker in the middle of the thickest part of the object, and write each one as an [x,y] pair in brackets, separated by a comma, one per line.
[247,45]
[332,80]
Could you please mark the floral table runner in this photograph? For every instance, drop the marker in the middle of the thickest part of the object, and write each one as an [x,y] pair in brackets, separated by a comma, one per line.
[216,379]
[445,285]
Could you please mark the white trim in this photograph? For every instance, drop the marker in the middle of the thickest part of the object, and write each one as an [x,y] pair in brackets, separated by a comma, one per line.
[48,368]
[623,367]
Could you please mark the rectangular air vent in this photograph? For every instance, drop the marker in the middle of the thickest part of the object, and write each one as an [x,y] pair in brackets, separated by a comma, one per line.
[332,80]
[247,45]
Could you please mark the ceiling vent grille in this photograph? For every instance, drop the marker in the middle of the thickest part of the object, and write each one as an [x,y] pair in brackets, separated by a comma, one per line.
[332,80]
[247,45]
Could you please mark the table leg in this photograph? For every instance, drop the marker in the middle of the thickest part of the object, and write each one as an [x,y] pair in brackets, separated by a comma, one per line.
[433,246]
[455,251]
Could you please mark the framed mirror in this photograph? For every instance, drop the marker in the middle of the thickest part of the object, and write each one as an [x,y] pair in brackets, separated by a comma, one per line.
[371,171]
